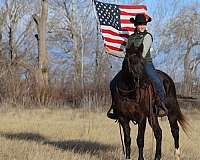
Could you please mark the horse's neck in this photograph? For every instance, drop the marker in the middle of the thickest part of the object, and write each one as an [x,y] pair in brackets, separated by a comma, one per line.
[127,79]
[127,75]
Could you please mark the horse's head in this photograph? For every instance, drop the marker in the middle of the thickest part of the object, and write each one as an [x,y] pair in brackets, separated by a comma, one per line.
[134,62]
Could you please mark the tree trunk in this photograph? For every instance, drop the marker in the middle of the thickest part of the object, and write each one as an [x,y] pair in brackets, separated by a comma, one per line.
[187,72]
[76,47]
[97,61]
[42,72]
[13,54]
[1,36]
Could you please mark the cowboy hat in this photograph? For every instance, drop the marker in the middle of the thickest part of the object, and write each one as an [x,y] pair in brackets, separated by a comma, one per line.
[140,19]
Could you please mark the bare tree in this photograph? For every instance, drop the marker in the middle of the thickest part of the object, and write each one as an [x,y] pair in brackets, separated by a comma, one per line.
[182,33]
[72,30]
[16,25]
[2,15]
[14,13]
[42,73]
[16,47]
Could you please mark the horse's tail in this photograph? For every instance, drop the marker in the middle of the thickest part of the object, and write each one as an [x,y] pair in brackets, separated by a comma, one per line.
[182,120]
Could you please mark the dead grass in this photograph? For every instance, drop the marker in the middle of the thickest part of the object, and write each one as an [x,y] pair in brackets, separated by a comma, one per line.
[66,134]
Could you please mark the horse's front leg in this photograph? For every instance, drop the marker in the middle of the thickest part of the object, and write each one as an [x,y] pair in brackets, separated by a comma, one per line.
[140,138]
[127,138]
[158,135]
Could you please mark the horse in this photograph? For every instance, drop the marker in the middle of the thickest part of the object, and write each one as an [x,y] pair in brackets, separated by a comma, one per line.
[134,99]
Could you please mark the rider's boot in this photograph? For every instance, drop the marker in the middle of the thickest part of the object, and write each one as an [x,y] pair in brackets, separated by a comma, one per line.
[161,109]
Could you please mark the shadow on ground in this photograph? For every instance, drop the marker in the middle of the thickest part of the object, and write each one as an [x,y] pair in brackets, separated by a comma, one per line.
[76,146]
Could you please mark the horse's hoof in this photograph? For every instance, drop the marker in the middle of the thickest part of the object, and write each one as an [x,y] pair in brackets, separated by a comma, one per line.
[157,158]
[141,158]
[177,154]
[127,159]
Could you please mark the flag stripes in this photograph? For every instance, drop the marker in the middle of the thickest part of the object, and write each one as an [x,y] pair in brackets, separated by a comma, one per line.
[115,24]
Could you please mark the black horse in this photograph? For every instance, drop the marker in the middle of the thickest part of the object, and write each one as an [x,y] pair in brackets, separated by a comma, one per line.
[134,99]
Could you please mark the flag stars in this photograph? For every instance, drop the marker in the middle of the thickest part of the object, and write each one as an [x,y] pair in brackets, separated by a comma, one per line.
[108,15]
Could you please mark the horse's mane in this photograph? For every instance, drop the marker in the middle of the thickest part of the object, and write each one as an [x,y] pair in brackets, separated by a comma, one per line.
[134,61]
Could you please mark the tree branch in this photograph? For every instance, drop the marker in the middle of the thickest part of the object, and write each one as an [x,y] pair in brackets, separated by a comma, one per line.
[36,18]
[195,43]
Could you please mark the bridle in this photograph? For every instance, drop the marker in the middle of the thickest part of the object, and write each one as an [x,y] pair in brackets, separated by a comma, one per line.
[136,77]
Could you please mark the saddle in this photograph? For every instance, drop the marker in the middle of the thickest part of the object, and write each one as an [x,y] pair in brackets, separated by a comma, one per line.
[145,86]
[159,107]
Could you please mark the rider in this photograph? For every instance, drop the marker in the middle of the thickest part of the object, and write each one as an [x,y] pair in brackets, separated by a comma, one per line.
[142,36]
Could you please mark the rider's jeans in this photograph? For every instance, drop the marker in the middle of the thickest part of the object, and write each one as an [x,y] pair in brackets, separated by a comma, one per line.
[152,75]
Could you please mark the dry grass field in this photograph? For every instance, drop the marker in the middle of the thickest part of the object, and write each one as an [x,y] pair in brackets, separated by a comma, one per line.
[72,134]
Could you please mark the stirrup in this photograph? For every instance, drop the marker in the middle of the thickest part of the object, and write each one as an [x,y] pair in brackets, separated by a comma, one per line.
[161,113]
[162,110]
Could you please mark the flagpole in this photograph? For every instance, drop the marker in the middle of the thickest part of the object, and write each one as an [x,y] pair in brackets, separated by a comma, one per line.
[94,10]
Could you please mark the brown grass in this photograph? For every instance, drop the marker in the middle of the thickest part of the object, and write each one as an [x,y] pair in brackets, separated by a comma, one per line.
[66,134]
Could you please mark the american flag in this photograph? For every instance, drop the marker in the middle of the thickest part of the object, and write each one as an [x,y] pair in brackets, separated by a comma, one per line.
[115,24]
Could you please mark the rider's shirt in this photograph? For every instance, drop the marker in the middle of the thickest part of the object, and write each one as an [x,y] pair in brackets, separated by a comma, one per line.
[137,39]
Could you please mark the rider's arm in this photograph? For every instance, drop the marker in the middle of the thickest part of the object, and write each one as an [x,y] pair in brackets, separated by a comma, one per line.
[147,42]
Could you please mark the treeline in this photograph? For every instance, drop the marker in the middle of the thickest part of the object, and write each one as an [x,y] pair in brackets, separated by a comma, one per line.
[51,51]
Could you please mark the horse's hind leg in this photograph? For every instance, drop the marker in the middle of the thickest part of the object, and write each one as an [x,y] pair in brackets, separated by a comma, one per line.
[175,132]
[127,138]
[140,138]
[158,135]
